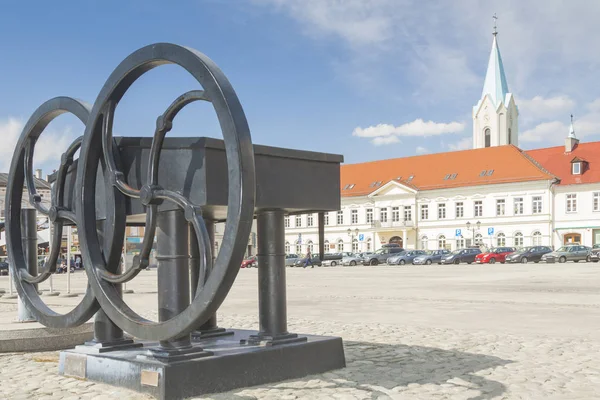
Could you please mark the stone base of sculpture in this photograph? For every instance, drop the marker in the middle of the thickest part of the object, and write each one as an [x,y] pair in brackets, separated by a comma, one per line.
[227,363]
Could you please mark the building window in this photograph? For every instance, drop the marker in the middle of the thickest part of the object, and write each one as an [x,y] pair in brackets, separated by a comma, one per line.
[488,137]
[340,245]
[424,212]
[460,210]
[441,242]
[355,246]
[369,215]
[326,246]
[369,244]
[576,168]
[286,221]
[442,211]
[298,221]
[309,220]
[460,243]
[518,205]
[383,215]
[478,239]
[395,214]
[509,136]
[298,248]
[536,238]
[424,242]
[354,216]
[536,206]
[518,239]
[340,218]
[407,213]
[571,203]
[501,240]
[478,208]
[500,207]
[597,201]
[309,246]
[287,247]
[326,219]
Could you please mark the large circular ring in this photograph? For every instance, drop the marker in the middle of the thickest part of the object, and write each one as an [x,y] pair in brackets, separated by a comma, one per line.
[241,195]
[21,171]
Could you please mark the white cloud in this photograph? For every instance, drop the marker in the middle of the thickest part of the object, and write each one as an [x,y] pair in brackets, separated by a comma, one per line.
[381,140]
[421,150]
[48,149]
[462,144]
[417,127]
[541,107]
[549,132]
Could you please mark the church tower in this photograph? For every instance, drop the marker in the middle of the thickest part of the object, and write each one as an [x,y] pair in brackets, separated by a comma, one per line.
[495,117]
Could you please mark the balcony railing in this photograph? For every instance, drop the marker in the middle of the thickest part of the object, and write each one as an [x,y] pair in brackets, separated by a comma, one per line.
[393,224]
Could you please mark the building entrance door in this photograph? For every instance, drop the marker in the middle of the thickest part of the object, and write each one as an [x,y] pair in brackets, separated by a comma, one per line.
[397,240]
[596,236]
[572,238]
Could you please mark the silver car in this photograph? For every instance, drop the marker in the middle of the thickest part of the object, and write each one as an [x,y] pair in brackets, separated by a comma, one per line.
[290,259]
[567,253]
[355,259]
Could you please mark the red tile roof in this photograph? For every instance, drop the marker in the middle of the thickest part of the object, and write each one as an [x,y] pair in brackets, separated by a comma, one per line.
[509,164]
[555,160]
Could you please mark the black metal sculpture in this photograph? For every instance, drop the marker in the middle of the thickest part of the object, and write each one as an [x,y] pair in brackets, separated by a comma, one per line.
[231,181]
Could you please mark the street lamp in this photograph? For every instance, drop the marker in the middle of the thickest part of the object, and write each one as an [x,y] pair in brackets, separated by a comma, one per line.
[352,234]
[478,224]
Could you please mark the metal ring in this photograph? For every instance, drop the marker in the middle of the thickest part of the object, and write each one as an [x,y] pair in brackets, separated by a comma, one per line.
[20,170]
[241,178]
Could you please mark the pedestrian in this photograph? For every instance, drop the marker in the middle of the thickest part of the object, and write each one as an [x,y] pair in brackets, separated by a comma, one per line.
[308,259]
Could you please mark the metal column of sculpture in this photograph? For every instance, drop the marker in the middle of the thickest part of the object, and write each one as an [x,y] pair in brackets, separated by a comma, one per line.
[178,187]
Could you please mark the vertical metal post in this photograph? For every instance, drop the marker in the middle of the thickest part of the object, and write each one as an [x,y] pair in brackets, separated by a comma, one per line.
[271,274]
[69,240]
[172,247]
[29,242]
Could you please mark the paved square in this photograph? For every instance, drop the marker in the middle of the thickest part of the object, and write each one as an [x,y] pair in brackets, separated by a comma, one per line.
[436,332]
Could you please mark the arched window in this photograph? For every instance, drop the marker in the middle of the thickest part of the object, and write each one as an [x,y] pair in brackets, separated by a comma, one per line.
[518,239]
[424,242]
[478,239]
[536,238]
[326,246]
[441,242]
[355,246]
[298,248]
[309,246]
[368,244]
[287,247]
[488,137]
[509,136]
[501,239]
[340,246]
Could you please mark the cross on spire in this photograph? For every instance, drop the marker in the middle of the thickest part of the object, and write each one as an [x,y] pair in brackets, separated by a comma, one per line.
[495,27]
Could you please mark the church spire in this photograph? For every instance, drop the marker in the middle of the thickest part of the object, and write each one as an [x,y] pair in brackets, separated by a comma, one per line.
[495,84]
[572,129]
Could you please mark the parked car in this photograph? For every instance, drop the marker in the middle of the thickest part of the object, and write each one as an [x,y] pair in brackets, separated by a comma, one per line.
[594,254]
[430,257]
[461,255]
[334,259]
[568,253]
[406,257]
[3,268]
[316,260]
[355,259]
[290,259]
[381,255]
[526,254]
[494,255]
[249,262]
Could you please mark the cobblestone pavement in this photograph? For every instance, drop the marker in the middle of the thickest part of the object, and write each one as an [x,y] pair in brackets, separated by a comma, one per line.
[402,360]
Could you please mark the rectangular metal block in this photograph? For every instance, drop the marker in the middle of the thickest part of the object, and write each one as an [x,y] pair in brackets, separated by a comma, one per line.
[75,365]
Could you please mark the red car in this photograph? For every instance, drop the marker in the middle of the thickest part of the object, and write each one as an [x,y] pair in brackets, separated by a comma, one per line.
[249,262]
[495,255]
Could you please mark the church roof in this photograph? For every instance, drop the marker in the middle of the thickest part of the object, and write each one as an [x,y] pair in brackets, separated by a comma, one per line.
[495,84]
[491,165]
[558,162]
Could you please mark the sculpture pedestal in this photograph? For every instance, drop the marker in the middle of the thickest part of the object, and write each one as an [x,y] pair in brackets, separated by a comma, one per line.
[230,366]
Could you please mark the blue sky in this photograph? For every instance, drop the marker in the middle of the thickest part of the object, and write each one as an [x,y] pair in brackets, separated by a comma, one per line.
[310,72]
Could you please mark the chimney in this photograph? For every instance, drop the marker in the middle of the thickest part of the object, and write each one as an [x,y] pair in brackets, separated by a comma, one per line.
[571,141]
[38,173]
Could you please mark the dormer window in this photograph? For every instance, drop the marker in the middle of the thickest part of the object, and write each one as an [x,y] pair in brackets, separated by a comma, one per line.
[576,170]
[578,166]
